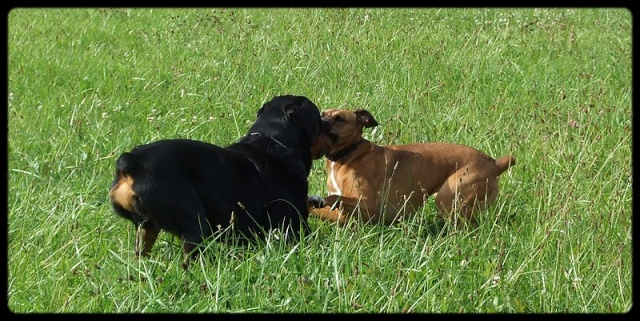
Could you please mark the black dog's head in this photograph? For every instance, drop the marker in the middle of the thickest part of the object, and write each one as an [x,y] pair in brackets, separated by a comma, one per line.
[292,123]
[298,110]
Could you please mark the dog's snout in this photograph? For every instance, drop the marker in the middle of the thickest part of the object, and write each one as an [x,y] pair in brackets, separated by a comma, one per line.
[325,124]
[327,114]
[324,120]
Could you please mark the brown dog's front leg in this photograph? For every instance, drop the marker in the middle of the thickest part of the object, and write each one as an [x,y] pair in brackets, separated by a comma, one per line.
[315,201]
[331,215]
[338,209]
[326,209]
[333,201]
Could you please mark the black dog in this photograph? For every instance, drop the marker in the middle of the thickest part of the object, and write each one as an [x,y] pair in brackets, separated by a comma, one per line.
[194,189]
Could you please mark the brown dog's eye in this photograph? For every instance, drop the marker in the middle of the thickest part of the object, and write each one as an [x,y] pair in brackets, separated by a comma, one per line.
[338,118]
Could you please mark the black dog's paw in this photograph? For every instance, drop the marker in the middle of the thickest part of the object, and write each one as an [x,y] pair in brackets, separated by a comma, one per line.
[316,201]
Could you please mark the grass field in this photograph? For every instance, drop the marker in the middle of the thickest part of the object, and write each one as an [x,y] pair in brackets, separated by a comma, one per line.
[550,86]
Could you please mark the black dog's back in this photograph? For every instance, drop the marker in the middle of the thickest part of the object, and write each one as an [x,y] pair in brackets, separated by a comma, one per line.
[188,187]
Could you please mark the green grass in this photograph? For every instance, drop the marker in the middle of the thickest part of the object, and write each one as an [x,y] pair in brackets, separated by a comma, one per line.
[550,86]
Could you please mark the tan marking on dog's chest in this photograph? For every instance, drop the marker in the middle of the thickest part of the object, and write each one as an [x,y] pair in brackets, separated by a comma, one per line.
[335,188]
[122,193]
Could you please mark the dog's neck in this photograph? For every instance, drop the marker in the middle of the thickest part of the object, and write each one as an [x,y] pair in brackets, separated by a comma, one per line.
[344,152]
[273,139]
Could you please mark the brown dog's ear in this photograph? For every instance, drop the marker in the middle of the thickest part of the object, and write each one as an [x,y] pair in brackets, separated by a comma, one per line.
[365,118]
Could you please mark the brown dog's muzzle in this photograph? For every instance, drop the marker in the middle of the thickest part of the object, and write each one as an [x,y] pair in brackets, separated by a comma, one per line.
[323,143]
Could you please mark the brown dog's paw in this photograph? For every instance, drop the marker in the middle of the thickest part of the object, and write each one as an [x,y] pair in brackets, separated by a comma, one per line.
[315,201]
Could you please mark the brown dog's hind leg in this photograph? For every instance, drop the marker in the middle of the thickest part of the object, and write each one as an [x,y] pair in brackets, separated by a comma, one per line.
[463,195]
[448,202]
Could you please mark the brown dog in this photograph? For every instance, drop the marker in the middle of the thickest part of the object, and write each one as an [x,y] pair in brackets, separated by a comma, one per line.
[383,184]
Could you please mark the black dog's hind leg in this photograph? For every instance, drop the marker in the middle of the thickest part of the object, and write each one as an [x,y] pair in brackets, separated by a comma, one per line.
[146,235]
[146,231]
[192,238]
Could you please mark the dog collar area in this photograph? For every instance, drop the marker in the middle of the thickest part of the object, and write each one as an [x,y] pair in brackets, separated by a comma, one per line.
[344,152]
[273,139]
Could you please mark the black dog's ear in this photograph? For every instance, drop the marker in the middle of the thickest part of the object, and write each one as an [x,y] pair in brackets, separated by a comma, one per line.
[306,116]
[365,118]
[260,111]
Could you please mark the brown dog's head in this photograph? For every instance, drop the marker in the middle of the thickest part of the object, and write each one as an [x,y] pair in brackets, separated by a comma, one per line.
[344,127]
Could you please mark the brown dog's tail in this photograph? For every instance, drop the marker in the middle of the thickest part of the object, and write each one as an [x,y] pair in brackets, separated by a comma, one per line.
[504,162]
